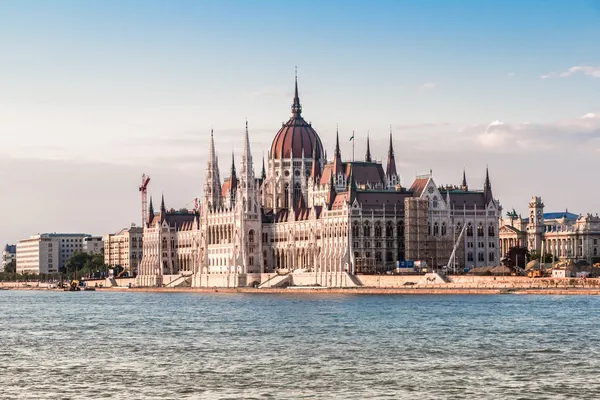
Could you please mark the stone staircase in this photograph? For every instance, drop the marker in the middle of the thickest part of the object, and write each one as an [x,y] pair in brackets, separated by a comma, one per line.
[352,280]
[182,281]
[276,281]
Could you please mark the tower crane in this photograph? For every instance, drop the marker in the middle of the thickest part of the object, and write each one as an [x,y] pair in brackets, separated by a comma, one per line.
[452,261]
[144,191]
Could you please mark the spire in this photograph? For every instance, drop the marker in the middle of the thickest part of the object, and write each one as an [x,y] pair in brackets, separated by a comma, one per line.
[391,162]
[368,155]
[487,187]
[337,156]
[464,185]
[247,171]
[233,177]
[315,172]
[150,211]
[163,209]
[296,107]
[212,182]
[331,194]
[263,173]
[351,181]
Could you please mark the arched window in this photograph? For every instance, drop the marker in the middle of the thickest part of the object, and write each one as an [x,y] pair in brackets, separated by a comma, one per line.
[378,230]
[251,236]
[429,228]
[355,229]
[400,228]
[286,195]
[367,229]
[297,193]
[389,229]
[378,256]
[469,229]
[389,256]
[435,202]
[491,231]
[436,229]
[443,229]
[480,229]
[470,256]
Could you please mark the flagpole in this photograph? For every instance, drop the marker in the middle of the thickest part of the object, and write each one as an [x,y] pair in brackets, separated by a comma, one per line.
[352,146]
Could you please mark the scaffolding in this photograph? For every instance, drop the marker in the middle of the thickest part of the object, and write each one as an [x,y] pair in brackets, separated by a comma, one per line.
[422,242]
[415,228]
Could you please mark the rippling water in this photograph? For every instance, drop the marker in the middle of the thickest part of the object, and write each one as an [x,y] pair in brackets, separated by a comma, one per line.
[229,346]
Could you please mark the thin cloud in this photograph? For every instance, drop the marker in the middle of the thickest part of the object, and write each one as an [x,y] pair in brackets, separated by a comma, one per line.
[428,86]
[593,72]
[511,74]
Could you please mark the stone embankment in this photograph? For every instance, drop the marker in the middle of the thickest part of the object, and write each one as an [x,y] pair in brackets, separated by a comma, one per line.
[390,284]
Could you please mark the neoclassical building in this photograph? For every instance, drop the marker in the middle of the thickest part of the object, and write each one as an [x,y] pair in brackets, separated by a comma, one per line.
[565,235]
[307,220]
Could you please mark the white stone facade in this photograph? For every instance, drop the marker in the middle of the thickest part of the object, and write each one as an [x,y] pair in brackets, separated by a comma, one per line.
[308,220]
[563,234]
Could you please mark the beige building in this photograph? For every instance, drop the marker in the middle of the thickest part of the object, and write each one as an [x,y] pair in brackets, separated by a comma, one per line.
[47,253]
[563,234]
[124,248]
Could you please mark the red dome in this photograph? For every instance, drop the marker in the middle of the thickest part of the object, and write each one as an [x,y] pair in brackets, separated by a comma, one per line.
[296,136]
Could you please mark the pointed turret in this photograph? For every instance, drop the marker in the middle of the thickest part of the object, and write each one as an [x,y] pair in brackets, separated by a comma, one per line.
[368,155]
[212,182]
[464,185]
[351,186]
[163,209]
[315,172]
[150,211]
[391,175]
[391,161]
[296,107]
[487,187]
[337,156]
[247,170]
[263,172]
[233,178]
[331,194]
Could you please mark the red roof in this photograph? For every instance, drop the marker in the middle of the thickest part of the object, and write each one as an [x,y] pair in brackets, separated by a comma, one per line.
[419,186]
[294,137]
[363,172]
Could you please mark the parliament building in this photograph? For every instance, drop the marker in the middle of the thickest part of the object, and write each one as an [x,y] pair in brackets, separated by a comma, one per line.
[306,220]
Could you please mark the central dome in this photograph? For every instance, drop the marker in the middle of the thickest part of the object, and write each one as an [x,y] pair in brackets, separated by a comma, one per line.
[296,136]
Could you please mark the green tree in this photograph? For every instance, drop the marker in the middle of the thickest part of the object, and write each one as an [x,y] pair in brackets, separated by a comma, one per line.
[11,267]
[75,264]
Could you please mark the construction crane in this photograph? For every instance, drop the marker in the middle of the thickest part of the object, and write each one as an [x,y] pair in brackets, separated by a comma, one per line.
[452,261]
[144,190]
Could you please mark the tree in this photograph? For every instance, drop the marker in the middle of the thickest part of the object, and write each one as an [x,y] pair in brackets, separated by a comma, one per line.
[11,267]
[516,256]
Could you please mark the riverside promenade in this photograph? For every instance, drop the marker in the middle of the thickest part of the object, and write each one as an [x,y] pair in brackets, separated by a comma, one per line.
[381,285]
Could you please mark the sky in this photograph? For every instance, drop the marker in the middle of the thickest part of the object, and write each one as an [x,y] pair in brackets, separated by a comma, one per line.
[95,93]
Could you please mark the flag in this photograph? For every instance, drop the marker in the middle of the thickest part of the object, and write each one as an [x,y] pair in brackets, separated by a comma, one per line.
[352,138]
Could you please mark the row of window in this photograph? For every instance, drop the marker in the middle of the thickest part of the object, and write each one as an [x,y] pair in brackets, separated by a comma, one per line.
[481,256]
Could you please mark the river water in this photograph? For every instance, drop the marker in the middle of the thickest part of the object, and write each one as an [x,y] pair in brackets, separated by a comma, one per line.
[260,346]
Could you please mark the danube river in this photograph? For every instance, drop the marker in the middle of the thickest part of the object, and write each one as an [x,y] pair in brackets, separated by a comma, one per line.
[239,346]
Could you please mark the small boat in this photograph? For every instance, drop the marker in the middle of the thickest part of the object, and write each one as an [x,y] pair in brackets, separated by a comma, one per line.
[89,289]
